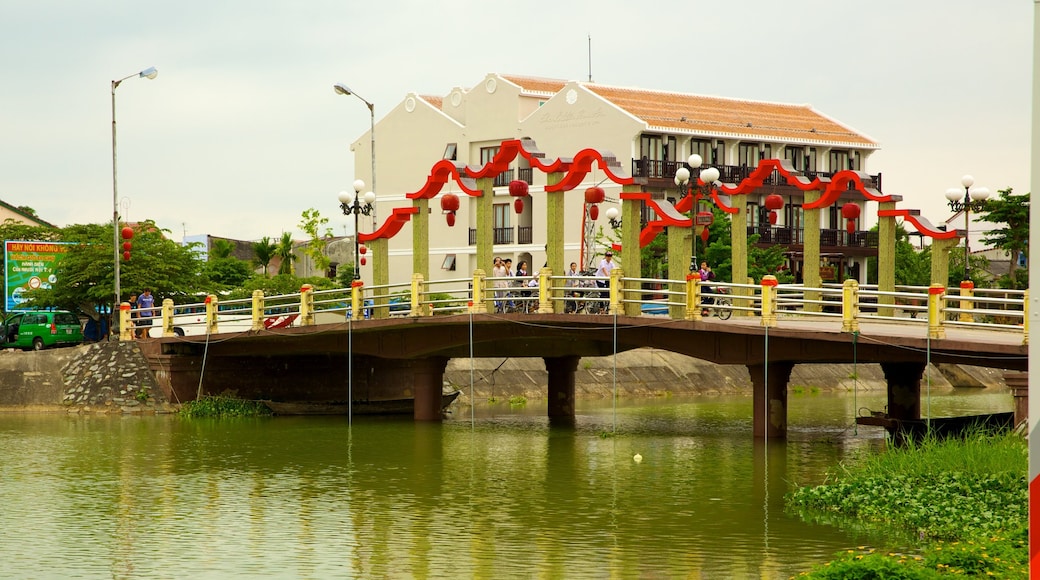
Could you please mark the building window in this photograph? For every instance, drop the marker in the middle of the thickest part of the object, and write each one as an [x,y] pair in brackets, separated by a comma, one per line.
[451,151]
[747,154]
[701,147]
[839,161]
[449,263]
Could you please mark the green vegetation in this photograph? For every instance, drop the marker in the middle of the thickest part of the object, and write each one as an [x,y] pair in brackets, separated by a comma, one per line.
[223,406]
[965,500]
[517,401]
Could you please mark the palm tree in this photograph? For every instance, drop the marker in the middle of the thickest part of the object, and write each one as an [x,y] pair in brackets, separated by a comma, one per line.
[263,252]
[285,252]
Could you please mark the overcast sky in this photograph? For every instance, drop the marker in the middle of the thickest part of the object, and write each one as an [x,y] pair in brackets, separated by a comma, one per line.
[241,131]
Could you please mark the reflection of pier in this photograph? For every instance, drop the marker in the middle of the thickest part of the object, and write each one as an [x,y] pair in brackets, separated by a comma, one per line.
[408,355]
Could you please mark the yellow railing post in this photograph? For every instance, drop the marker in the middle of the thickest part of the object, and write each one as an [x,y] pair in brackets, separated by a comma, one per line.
[693,296]
[306,305]
[126,327]
[211,314]
[850,306]
[356,300]
[936,311]
[615,291]
[415,299]
[545,303]
[258,309]
[769,300]
[167,317]
[967,300]
[478,300]
[1025,317]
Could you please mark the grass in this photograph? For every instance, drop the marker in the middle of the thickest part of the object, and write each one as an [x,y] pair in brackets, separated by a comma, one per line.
[223,406]
[964,500]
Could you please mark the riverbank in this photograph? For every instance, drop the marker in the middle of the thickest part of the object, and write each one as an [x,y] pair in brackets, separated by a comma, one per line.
[113,377]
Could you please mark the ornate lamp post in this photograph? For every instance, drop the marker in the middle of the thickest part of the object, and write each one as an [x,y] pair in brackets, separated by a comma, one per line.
[342,89]
[708,176]
[148,73]
[971,199]
[357,204]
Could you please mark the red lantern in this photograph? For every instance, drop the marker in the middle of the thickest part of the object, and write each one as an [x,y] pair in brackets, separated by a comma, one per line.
[518,188]
[594,212]
[128,232]
[850,211]
[126,246]
[518,205]
[704,235]
[851,226]
[451,220]
[363,261]
[126,256]
[595,195]
[772,218]
[774,202]
[363,250]
[449,202]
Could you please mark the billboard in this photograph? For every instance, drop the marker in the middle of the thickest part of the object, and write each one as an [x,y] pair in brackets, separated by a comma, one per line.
[29,265]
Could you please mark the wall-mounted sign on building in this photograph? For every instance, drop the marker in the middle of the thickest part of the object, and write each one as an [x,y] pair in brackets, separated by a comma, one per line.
[29,265]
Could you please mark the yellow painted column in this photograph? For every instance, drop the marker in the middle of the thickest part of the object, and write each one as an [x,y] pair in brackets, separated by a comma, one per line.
[167,317]
[768,300]
[546,292]
[555,237]
[356,301]
[126,326]
[380,277]
[941,260]
[421,238]
[616,295]
[257,310]
[693,296]
[307,305]
[967,301]
[850,306]
[485,224]
[1025,318]
[631,256]
[211,314]
[739,252]
[811,252]
[479,298]
[886,259]
[679,248]
[417,306]
[936,311]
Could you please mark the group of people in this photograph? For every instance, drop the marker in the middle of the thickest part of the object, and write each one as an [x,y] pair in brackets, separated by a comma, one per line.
[502,271]
[141,312]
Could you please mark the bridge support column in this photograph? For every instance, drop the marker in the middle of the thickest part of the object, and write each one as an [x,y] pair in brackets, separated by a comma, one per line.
[770,398]
[904,392]
[561,386]
[427,384]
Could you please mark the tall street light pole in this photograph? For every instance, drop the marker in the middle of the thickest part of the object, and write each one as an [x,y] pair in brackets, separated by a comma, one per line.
[342,89]
[148,73]
[708,176]
[971,199]
[357,204]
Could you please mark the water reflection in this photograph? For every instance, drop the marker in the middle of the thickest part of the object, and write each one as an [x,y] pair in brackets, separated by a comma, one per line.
[505,495]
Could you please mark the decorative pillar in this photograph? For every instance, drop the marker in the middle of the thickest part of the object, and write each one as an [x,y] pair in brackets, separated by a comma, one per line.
[561,386]
[850,306]
[679,248]
[211,314]
[941,260]
[380,277]
[421,238]
[427,386]
[770,398]
[886,258]
[485,224]
[167,314]
[811,252]
[936,311]
[768,300]
[631,251]
[555,235]
[739,253]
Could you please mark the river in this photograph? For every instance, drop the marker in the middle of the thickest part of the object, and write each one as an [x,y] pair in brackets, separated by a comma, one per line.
[496,493]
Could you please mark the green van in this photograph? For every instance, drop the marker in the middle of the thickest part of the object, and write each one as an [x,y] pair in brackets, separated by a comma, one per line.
[39,330]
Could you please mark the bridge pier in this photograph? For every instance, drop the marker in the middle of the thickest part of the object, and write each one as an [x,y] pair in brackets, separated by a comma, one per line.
[561,387]
[427,386]
[769,384]
[904,395]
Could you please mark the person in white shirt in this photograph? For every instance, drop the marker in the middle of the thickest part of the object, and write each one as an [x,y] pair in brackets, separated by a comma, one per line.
[605,266]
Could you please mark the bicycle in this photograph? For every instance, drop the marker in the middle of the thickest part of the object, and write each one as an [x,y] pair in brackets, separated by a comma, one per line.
[720,305]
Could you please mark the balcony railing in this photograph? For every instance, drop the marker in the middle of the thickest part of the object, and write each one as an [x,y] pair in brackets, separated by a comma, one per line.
[501,236]
[524,235]
[503,179]
[828,238]
[659,169]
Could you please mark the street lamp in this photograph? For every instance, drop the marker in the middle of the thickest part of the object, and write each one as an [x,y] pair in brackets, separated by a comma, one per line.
[708,176]
[357,204]
[148,73]
[612,217]
[971,199]
[342,89]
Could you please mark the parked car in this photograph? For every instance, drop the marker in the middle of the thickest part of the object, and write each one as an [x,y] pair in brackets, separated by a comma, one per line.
[40,330]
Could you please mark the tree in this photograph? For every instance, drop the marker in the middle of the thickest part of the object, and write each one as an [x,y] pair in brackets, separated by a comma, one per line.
[263,252]
[1013,212]
[84,277]
[221,249]
[285,252]
[312,223]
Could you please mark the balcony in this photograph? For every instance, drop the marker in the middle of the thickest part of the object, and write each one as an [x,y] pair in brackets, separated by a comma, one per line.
[662,173]
[834,239]
[501,236]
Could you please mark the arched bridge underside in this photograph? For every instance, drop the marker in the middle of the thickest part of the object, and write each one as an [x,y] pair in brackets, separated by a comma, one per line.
[308,363]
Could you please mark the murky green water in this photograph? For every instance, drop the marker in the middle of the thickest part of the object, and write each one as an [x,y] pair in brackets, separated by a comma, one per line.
[502,496]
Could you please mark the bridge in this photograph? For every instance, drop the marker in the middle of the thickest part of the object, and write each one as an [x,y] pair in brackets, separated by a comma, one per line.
[372,343]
